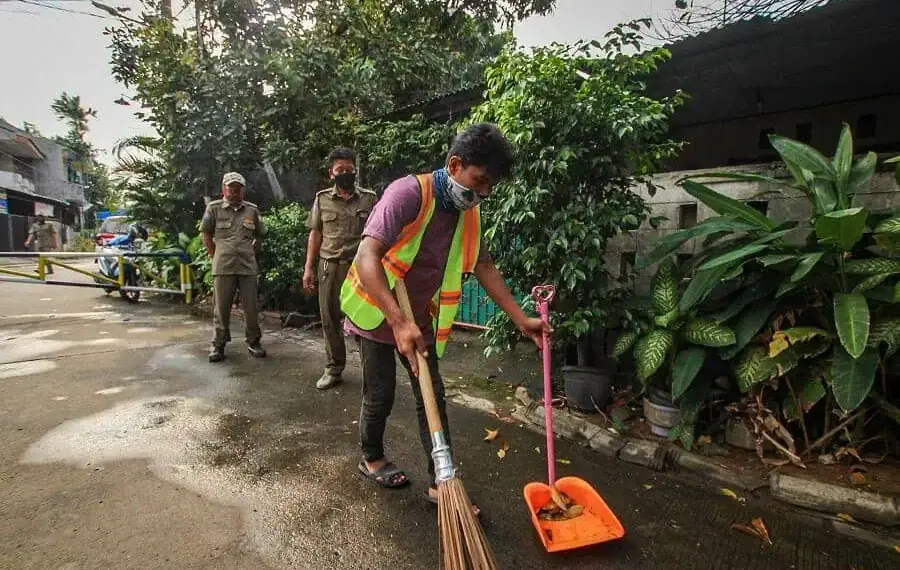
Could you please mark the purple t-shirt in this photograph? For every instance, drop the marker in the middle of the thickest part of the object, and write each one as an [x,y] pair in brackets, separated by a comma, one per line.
[396,209]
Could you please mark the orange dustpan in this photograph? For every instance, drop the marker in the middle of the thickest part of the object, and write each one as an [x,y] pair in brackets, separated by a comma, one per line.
[597,523]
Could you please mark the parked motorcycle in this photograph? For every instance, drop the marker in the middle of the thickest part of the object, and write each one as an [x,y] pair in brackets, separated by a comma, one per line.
[109,266]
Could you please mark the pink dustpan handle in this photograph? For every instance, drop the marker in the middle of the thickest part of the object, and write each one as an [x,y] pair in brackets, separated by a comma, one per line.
[543,294]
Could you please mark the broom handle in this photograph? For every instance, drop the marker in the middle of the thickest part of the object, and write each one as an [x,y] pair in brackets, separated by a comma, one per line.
[543,295]
[425,385]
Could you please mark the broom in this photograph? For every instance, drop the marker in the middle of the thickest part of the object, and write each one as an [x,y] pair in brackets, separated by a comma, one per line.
[462,544]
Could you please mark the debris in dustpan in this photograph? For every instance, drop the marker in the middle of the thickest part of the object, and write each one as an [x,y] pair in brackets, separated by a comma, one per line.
[560,508]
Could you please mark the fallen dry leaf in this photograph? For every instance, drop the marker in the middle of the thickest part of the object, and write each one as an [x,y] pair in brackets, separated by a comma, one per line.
[504,447]
[858,478]
[704,440]
[575,511]
[897,548]
[845,451]
[731,494]
[537,449]
[564,461]
[558,498]
[491,434]
[845,517]
[756,529]
[648,486]
[760,526]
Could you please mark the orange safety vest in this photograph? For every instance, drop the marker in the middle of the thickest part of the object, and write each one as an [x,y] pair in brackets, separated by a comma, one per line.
[361,309]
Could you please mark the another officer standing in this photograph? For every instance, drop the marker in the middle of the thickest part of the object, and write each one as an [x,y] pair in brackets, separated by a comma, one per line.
[336,223]
[232,231]
[43,235]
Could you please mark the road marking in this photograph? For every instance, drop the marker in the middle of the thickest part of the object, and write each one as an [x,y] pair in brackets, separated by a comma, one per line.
[27,368]
[84,315]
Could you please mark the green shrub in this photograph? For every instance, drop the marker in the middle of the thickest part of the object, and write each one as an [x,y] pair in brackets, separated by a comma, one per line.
[283,258]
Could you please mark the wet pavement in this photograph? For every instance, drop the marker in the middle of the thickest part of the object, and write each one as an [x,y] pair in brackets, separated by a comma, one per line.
[122,447]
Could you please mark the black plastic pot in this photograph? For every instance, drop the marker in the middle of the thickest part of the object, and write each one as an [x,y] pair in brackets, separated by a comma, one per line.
[587,388]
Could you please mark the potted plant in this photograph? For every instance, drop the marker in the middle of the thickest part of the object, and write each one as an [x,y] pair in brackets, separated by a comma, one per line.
[670,344]
[585,133]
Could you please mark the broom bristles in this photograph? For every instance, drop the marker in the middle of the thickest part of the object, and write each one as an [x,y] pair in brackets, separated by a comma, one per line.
[462,543]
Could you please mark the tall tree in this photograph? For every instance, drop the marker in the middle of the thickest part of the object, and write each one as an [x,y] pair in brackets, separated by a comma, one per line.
[69,109]
[284,82]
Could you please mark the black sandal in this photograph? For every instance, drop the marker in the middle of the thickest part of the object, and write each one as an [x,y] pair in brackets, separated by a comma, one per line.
[386,476]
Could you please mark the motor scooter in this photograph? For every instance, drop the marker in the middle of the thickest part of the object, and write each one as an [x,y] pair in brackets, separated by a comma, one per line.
[109,266]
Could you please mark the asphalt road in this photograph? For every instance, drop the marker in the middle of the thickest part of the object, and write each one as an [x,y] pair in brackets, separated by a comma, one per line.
[122,447]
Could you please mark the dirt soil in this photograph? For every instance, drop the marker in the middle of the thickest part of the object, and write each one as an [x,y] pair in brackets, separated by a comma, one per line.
[497,378]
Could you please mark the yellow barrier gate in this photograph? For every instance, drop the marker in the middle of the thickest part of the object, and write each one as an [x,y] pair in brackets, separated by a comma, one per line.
[45,260]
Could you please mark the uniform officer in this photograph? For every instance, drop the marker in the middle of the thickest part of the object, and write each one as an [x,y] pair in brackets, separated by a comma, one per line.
[336,222]
[43,235]
[232,231]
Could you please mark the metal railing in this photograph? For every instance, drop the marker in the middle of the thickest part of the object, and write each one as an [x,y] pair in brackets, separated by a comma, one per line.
[45,260]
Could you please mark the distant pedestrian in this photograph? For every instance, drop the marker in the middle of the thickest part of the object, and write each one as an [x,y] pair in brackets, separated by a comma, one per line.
[232,232]
[43,235]
[335,223]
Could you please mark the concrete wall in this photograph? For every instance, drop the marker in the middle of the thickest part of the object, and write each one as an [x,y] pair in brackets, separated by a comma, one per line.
[882,192]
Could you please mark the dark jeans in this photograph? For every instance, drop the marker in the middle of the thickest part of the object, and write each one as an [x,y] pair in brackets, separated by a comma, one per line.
[379,382]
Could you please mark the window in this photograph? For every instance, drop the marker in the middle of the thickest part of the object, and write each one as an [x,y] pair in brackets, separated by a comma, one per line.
[687,216]
[866,126]
[760,206]
[626,263]
[804,133]
[763,142]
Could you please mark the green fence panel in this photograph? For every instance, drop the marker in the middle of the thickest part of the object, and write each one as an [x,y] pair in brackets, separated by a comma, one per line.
[475,308]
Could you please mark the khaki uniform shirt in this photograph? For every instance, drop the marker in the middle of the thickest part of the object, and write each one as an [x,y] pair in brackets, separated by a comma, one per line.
[341,221]
[233,228]
[44,235]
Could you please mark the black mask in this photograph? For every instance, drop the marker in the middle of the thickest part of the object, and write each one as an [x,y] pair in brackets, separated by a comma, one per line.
[345,180]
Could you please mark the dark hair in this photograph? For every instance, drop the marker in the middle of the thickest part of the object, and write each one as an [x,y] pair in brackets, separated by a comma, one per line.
[483,144]
[341,153]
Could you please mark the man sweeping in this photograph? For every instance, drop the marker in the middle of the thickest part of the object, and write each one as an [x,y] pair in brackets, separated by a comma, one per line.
[426,230]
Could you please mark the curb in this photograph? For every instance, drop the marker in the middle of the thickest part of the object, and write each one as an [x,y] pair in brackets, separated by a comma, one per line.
[825,498]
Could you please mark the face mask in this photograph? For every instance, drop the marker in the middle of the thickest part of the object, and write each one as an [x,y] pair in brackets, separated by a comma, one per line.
[345,180]
[462,197]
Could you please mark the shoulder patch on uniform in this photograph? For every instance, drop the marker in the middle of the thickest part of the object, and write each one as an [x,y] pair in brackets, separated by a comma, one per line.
[325,191]
[251,204]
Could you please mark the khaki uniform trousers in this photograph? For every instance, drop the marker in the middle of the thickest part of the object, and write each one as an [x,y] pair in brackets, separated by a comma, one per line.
[224,289]
[331,276]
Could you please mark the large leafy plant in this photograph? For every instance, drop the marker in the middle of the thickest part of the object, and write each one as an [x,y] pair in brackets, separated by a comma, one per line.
[585,132]
[813,303]
[670,343]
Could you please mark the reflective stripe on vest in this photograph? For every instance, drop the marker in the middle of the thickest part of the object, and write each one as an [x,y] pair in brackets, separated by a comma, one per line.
[361,309]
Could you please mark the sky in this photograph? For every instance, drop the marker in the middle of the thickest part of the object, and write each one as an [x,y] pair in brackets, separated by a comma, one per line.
[47,51]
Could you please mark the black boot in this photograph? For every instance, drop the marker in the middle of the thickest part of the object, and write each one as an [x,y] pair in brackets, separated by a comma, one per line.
[256,350]
[217,353]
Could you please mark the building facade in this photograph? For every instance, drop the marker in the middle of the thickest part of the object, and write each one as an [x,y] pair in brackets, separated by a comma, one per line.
[36,177]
